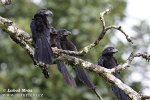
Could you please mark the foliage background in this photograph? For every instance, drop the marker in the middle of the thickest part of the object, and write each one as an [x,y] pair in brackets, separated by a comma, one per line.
[81,17]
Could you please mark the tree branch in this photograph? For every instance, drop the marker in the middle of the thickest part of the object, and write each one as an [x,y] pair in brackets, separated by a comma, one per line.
[9,27]
[145,97]
[133,55]
[102,33]
[119,28]
[5,2]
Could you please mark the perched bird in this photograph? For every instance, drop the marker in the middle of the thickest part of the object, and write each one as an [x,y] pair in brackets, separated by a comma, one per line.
[40,27]
[55,42]
[80,72]
[68,45]
[107,60]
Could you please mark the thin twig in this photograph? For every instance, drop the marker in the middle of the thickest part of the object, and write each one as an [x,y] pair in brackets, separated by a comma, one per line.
[102,33]
[144,55]
[5,2]
[145,97]
[119,28]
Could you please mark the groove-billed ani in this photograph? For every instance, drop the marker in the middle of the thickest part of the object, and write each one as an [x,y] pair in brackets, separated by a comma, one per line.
[55,42]
[107,60]
[41,36]
[80,72]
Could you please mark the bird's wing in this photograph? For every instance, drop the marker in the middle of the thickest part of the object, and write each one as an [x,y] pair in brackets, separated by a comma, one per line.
[33,30]
[101,61]
[70,46]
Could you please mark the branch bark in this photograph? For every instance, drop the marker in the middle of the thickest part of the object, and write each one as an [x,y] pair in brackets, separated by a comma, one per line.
[5,2]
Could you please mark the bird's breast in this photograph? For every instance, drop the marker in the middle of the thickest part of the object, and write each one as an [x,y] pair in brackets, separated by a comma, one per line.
[110,63]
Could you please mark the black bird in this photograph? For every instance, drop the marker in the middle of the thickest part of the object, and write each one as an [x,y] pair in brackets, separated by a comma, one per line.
[68,45]
[80,72]
[107,60]
[55,42]
[40,27]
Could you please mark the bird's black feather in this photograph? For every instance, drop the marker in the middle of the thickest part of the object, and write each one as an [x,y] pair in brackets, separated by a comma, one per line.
[68,45]
[107,60]
[41,37]
[55,42]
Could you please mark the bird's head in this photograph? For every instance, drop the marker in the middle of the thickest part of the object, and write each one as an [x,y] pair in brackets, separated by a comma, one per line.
[44,12]
[109,51]
[53,31]
[63,33]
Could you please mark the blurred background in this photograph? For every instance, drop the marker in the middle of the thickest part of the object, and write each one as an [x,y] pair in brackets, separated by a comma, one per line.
[81,17]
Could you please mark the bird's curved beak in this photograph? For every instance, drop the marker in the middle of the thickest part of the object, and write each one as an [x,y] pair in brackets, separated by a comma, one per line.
[67,33]
[115,50]
[49,13]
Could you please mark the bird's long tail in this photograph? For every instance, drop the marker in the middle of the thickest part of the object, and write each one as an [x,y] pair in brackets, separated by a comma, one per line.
[66,75]
[83,77]
[118,92]
[43,52]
